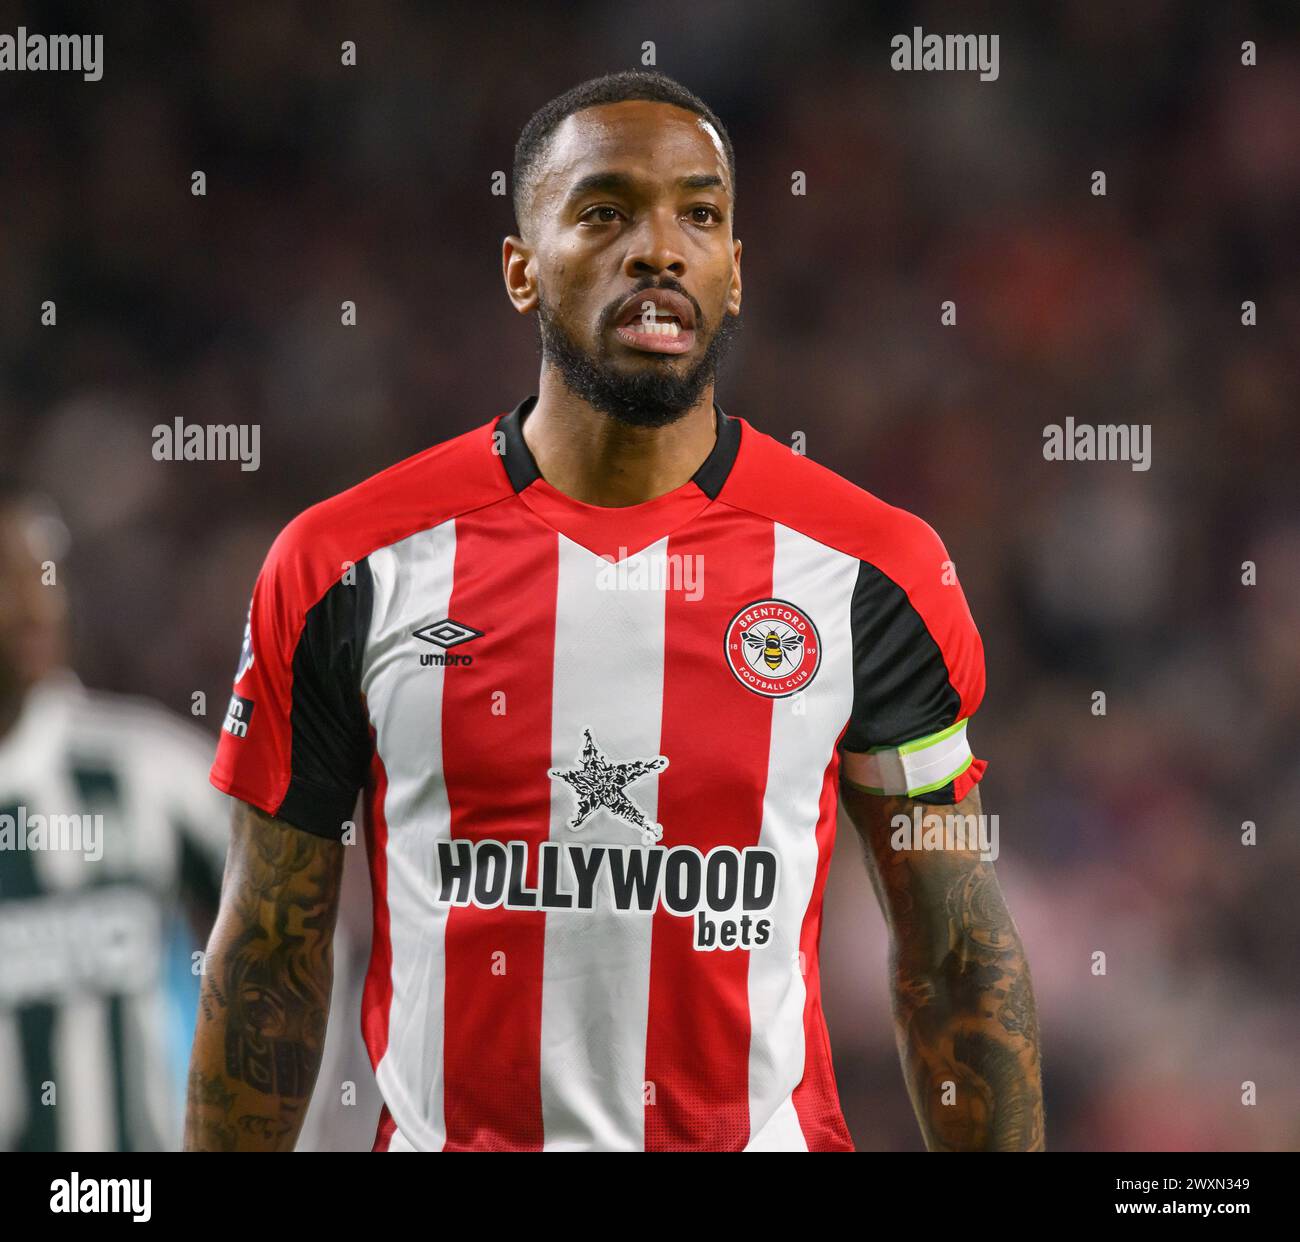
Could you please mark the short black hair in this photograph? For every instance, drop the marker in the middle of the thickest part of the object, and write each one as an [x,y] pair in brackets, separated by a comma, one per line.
[612,88]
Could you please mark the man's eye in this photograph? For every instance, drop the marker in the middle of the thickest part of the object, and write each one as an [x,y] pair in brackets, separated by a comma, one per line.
[711,215]
[592,211]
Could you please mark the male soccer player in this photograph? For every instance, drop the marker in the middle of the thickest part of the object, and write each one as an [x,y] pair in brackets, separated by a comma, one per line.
[598,667]
[111,850]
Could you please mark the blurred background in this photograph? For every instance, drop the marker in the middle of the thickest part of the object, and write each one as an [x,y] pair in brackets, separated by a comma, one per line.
[1119,833]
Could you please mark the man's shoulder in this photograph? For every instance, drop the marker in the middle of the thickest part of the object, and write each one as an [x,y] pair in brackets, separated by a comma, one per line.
[422,491]
[774,480]
[108,727]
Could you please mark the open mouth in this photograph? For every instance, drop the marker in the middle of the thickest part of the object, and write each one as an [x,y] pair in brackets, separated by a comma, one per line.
[660,336]
[657,321]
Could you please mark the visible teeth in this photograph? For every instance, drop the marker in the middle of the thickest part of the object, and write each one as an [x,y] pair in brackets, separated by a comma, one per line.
[668,327]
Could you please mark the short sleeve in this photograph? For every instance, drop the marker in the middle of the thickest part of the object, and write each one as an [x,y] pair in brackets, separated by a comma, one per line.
[296,740]
[918,677]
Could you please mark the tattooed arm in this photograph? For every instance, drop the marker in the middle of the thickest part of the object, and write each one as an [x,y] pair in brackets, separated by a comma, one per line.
[266,988]
[964,1015]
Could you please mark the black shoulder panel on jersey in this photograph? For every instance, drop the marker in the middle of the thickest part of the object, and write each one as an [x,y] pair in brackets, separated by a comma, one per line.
[713,471]
[330,752]
[901,689]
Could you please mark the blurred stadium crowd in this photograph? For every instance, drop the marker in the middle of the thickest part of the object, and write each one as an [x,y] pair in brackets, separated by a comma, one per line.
[1119,833]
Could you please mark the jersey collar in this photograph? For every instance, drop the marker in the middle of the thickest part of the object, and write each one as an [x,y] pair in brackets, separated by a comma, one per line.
[622,531]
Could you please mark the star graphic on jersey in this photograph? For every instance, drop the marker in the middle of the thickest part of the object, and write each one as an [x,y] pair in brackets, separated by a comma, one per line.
[599,783]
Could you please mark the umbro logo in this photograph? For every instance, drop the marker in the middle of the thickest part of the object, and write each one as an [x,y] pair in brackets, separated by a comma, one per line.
[446,634]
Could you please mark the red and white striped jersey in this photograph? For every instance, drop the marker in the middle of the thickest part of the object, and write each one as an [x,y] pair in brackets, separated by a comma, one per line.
[599,751]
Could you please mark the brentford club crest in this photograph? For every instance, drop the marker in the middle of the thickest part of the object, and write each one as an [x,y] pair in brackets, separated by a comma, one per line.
[772,647]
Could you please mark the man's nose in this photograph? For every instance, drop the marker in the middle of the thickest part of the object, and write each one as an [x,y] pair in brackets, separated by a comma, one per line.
[655,247]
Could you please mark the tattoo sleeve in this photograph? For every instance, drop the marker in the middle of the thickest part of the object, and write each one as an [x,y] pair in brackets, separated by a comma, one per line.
[265,988]
[964,1015]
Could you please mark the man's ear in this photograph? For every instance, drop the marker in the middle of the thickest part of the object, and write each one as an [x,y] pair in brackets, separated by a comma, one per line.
[733,294]
[519,270]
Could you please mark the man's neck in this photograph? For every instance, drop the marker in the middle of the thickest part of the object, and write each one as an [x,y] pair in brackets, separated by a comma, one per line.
[598,460]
